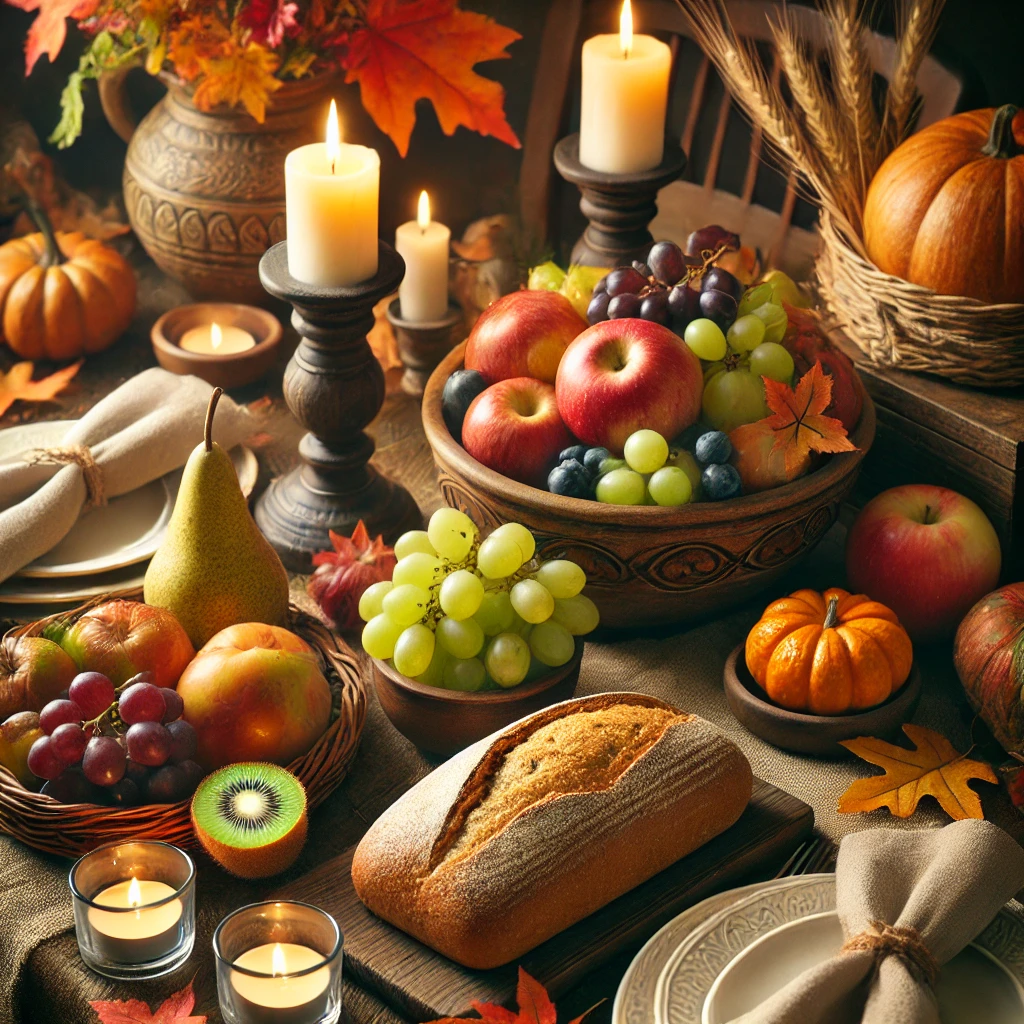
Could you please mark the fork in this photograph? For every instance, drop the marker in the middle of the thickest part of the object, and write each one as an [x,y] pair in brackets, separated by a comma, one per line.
[813,855]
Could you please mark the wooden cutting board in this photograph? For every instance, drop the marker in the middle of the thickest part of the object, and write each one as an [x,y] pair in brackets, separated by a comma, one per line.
[423,985]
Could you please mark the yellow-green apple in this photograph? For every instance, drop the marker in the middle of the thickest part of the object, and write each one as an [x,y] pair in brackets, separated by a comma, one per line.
[926,552]
[523,334]
[625,375]
[514,428]
[33,671]
[17,735]
[255,693]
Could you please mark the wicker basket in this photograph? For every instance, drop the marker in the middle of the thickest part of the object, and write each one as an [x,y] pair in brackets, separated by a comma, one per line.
[74,829]
[900,324]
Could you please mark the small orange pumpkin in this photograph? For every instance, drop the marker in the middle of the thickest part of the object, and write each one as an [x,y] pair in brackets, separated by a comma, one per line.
[62,295]
[828,653]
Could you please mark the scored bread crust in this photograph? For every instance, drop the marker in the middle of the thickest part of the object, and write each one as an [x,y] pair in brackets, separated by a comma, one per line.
[487,902]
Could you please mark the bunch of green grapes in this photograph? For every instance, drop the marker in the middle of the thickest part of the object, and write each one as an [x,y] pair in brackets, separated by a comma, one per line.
[470,614]
[649,473]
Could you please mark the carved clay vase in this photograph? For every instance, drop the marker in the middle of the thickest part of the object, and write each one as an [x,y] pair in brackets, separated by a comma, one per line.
[205,190]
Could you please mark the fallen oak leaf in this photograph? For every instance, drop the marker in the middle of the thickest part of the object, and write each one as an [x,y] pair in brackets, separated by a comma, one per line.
[426,49]
[17,384]
[175,1009]
[933,768]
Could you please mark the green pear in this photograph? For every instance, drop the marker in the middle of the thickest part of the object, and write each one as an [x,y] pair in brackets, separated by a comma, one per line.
[214,568]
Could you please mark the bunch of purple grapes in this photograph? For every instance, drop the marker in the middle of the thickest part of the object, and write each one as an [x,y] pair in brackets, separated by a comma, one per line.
[112,746]
[662,288]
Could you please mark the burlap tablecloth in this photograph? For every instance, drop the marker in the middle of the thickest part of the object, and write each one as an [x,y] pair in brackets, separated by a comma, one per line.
[45,979]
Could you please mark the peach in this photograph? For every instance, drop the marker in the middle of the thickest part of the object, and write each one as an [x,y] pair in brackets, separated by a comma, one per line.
[33,671]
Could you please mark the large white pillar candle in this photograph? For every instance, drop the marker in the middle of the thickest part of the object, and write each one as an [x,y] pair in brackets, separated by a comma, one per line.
[423,244]
[331,193]
[624,100]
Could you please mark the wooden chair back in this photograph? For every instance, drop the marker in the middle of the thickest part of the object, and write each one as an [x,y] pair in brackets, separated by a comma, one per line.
[727,180]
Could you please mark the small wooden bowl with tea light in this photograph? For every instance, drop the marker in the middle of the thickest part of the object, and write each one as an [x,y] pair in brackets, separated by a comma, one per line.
[225,343]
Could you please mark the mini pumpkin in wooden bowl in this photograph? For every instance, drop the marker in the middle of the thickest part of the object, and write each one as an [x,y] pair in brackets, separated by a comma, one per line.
[648,565]
[442,721]
[818,668]
[62,295]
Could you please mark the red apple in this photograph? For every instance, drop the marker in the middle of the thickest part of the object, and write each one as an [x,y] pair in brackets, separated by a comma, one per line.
[625,375]
[514,428]
[523,335]
[926,552]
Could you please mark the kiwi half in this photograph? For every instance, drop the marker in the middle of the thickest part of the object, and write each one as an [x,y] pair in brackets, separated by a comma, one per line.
[251,818]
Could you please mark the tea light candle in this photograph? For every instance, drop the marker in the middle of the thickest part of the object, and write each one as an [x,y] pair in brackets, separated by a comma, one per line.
[148,933]
[423,244]
[214,340]
[624,100]
[281,995]
[331,195]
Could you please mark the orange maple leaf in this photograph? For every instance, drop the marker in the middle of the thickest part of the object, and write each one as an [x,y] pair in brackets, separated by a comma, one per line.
[17,384]
[175,1009]
[49,30]
[415,49]
[243,75]
[535,1007]
[933,768]
[797,423]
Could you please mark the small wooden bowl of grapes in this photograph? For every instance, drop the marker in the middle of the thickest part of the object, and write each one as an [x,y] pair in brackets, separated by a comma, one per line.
[650,424]
[473,631]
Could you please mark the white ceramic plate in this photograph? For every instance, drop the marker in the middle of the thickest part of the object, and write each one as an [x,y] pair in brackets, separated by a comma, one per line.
[974,986]
[72,590]
[634,1000]
[685,985]
[125,531]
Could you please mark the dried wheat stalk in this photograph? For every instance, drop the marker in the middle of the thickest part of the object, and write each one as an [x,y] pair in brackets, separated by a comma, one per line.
[916,24]
[852,77]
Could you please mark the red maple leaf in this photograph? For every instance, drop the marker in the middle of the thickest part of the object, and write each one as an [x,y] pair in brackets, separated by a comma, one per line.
[48,31]
[414,49]
[797,423]
[175,1009]
[535,1007]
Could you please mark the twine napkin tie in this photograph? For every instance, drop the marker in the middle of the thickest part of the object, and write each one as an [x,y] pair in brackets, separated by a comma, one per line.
[892,940]
[74,455]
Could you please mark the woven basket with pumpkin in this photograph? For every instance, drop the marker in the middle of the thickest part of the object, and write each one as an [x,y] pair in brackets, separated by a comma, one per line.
[62,295]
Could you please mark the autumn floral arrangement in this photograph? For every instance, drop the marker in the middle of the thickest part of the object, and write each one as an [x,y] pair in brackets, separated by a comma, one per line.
[240,52]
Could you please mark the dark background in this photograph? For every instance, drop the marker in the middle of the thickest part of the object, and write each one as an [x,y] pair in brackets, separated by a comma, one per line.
[469,176]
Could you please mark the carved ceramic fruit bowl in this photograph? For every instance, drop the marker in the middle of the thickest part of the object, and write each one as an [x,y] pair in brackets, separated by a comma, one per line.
[647,565]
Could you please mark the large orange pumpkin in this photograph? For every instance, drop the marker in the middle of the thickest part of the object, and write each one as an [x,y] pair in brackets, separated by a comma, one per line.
[828,653]
[63,295]
[946,208]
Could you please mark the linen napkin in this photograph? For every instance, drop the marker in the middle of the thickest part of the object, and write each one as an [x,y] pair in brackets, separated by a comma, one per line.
[908,903]
[144,429]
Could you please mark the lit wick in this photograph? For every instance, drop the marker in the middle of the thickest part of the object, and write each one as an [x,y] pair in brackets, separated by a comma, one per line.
[626,29]
[423,212]
[333,137]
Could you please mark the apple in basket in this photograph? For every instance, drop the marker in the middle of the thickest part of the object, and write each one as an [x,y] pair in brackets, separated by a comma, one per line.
[255,693]
[123,638]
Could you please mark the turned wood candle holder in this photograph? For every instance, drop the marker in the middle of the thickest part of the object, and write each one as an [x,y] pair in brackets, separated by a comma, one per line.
[619,207]
[422,345]
[334,387]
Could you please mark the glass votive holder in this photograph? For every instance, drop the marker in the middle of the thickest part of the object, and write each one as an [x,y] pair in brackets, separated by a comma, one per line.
[134,909]
[278,963]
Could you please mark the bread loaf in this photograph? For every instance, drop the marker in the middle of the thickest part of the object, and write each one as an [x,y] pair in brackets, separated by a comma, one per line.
[532,829]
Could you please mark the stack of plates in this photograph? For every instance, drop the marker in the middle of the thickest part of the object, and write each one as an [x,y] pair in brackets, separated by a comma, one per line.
[108,548]
[723,957]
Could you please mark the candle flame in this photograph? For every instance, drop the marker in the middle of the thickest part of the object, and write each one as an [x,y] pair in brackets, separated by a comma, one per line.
[216,336]
[333,136]
[423,211]
[134,893]
[626,28]
[278,964]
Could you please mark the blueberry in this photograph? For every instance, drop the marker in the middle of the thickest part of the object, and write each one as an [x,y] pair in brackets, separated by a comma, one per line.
[721,483]
[575,453]
[459,391]
[713,447]
[594,457]
[571,479]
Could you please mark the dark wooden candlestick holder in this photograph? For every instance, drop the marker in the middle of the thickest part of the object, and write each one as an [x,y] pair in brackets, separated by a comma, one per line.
[618,206]
[422,345]
[334,387]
